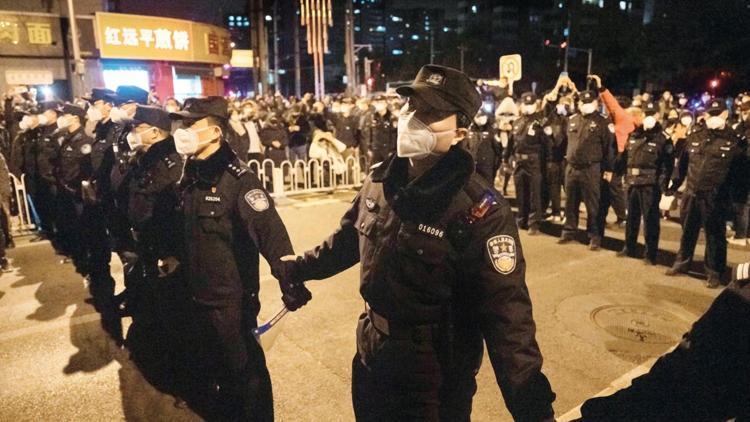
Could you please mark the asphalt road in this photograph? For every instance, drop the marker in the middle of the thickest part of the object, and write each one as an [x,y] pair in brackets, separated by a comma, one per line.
[600,319]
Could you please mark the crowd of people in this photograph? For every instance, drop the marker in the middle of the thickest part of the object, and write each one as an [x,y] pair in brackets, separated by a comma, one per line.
[166,188]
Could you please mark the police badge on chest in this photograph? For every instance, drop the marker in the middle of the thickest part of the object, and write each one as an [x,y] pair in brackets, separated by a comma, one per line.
[502,251]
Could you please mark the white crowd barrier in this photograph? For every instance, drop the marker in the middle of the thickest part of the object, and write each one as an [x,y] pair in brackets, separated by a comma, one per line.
[311,176]
[286,179]
[23,223]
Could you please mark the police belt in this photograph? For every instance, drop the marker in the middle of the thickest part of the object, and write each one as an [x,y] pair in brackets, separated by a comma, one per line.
[522,157]
[641,172]
[426,332]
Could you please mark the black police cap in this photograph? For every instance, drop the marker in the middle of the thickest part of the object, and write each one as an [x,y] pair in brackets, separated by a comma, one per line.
[199,108]
[445,89]
[100,94]
[588,96]
[153,116]
[128,94]
[716,107]
[528,98]
[74,110]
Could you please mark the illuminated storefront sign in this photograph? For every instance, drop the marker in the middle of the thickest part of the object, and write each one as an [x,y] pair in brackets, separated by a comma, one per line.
[122,36]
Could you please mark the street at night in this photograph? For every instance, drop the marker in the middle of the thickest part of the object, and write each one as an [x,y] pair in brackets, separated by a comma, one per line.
[60,364]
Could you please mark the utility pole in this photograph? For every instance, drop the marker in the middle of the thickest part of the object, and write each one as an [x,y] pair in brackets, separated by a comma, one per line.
[259,44]
[349,46]
[567,41]
[276,84]
[78,66]
[297,70]
[432,45]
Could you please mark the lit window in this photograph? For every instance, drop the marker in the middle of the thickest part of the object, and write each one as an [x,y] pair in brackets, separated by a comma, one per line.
[559,5]
[356,11]
[415,37]
[380,28]
[356,28]
[446,29]
[397,52]
[601,3]
[623,5]
[396,19]
[407,25]
[473,8]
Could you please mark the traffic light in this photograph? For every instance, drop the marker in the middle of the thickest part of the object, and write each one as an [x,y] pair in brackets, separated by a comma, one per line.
[546,43]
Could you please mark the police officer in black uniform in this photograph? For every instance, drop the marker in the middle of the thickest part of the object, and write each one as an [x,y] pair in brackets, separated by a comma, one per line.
[703,379]
[442,271]
[526,145]
[46,157]
[380,131]
[488,153]
[156,229]
[556,141]
[72,170]
[229,218]
[715,167]
[649,157]
[589,140]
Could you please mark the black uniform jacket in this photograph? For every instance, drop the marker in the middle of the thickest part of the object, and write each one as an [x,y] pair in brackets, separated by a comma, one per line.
[229,218]
[443,241]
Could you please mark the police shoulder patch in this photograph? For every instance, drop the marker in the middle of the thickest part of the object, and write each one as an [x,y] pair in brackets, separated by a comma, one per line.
[257,200]
[502,252]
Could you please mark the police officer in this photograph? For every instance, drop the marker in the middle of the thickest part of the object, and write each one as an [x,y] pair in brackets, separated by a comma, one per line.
[442,269]
[72,170]
[156,229]
[556,141]
[487,153]
[589,140]
[715,167]
[47,153]
[703,379]
[526,145]
[229,218]
[742,205]
[649,157]
[380,131]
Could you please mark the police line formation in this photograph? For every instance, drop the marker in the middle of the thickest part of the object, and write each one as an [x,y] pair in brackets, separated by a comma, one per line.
[167,189]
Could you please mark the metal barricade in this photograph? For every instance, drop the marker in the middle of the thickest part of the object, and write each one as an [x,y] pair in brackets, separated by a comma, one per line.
[306,177]
[23,223]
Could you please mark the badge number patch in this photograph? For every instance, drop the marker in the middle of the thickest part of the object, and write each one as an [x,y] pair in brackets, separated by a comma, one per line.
[502,251]
[257,200]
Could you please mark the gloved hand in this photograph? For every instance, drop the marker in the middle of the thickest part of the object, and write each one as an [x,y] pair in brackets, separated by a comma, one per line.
[294,294]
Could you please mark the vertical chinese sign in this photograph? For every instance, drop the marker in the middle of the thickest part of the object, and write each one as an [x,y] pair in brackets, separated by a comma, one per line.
[316,15]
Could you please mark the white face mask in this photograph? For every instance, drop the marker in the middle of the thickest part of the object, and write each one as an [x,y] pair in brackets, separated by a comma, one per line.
[481,120]
[588,108]
[528,109]
[235,117]
[415,139]
[682,101]
[171,108]
[119,116]
[134,141]
[93,114]
[561,109]
[686,121]
[186,141]
[42,119]
[715,122]
[25,123]
[63,122]
[649,122]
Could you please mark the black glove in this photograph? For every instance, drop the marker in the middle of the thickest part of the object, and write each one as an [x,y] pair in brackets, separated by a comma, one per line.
[294,294]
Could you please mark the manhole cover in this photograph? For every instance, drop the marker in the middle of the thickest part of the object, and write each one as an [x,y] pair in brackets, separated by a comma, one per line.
[639,323]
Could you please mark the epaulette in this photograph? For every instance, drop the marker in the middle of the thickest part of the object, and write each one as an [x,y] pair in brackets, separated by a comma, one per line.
[236,169]
[169,162]
[483,199]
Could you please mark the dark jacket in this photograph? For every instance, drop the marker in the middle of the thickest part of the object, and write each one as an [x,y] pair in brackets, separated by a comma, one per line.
[74,164]
[274,133]
[380,132]
[444,249]
[715,162]
[589,140]
[649,156]
[153,201]
[487,153]
[526,138]
[229,218]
